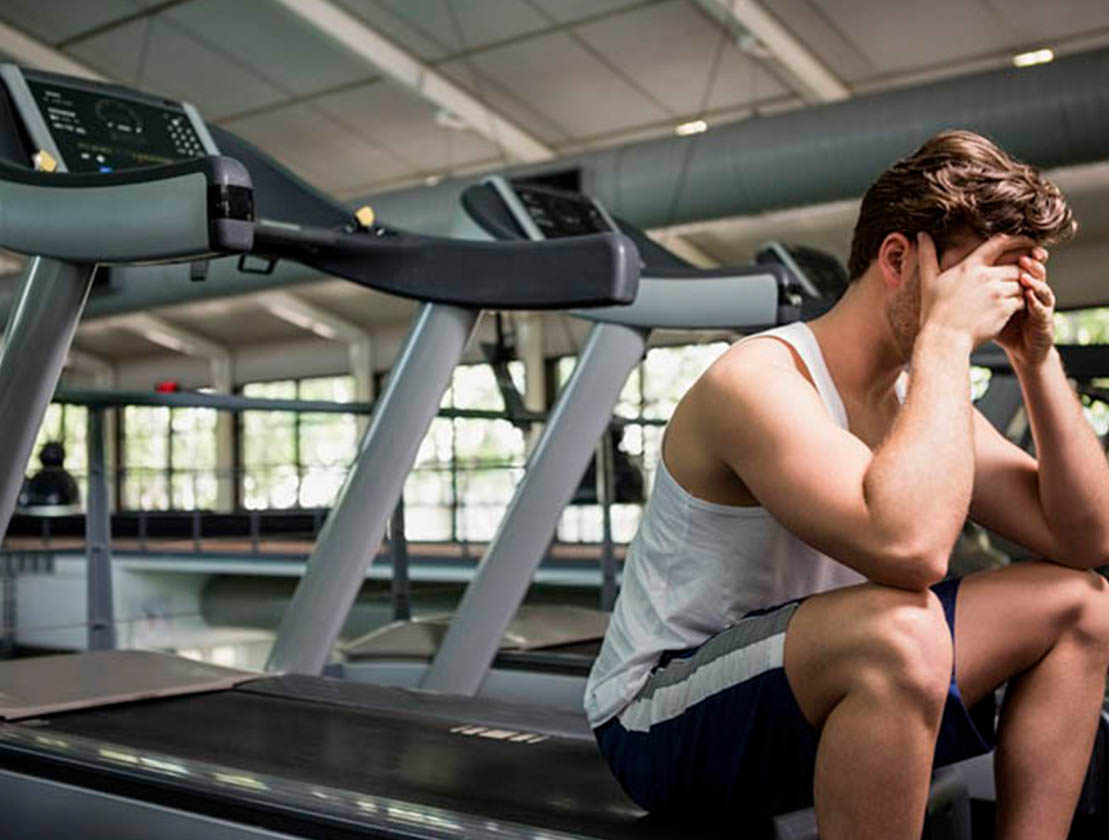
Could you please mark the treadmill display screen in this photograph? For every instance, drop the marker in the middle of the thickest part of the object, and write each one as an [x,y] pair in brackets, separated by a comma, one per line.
[101,133]
[562,214]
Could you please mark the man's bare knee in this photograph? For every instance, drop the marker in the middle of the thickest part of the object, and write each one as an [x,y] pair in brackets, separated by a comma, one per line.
[911,654]
[1084,611]
[888,645]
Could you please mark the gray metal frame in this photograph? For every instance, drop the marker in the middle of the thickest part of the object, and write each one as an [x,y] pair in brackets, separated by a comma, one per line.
[100,615]
[693,303]
[554,469]
[354,530]
[36,344]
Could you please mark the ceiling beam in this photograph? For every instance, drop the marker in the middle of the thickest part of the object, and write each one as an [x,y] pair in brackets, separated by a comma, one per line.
[373,47]
[810,76]
[301,313]
[23,49]
[172,336]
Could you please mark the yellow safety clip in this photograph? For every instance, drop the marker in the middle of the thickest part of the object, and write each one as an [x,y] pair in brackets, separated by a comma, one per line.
[365,215]
[44,161]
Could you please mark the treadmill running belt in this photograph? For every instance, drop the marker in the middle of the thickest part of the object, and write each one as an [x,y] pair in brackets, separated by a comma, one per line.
[566,787]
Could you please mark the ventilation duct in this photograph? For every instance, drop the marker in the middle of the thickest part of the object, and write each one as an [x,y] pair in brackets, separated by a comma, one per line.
[1052,115]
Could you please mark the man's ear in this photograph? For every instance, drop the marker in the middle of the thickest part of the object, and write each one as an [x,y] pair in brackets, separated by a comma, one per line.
[896,260]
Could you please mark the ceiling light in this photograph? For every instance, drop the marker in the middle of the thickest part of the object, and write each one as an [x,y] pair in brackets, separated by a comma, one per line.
[433,180]
[752,46]
[170,342]
[449,119]
[1028,59]
[692,127]
[300,319]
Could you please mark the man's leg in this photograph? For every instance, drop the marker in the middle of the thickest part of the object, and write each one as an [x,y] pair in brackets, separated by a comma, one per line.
[1045,628]
[870,667]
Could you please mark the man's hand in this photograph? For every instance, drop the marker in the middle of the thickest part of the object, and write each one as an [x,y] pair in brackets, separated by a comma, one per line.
[975,297]
[1030,333]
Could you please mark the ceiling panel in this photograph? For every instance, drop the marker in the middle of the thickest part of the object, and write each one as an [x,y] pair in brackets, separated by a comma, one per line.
[504,98]
[357,303]
[568,11]
[404,34]
[565,83]
[410,130]
[471,25]
[159,56]
[233,321]
[1032,22]
[669,49]
[825,36]
[116,344]
[277,45]
[55,21]
[910,35]
[319,150]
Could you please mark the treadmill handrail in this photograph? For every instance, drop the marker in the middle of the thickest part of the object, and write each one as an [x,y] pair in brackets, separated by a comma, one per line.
[728,299]
[604,268]
[172,212]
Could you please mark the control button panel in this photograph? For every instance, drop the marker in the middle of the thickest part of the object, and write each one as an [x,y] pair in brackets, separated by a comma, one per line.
[97,132]
[559,214]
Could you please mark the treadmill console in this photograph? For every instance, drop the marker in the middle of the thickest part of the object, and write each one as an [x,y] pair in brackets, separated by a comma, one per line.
[559,214]
[94,129]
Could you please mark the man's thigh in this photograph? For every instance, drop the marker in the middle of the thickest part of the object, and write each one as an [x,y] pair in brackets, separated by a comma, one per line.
[1007,619]
[835,638]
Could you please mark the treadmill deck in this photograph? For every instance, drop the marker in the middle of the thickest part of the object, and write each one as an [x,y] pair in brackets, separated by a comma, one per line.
[273,733]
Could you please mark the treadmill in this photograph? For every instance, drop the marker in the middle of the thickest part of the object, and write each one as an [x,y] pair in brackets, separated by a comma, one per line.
[493,646]
[132,744]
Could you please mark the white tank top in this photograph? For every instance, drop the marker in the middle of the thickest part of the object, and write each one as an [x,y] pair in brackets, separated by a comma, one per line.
[696,567]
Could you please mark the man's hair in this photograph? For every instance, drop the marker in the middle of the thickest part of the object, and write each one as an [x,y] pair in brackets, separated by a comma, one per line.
[958,181]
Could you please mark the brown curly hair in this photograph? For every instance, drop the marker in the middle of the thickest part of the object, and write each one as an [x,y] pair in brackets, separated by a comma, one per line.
[958,181]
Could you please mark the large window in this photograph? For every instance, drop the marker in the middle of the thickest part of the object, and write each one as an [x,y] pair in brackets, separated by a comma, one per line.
[467,468]
[297,460]
[650,394]
[168,458]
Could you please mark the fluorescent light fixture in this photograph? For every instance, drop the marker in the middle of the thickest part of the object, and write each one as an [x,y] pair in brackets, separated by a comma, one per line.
[1033,57]
[451,120]
[170,342]
[692,127]
[300,319]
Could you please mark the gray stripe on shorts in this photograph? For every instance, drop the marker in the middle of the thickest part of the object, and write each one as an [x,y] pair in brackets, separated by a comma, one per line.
[747,632]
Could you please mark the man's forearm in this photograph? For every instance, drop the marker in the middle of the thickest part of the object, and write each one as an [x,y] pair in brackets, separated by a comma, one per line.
[921,479]
[1073,475]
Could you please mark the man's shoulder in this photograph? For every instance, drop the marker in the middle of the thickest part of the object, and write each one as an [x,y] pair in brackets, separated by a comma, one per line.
[750,366]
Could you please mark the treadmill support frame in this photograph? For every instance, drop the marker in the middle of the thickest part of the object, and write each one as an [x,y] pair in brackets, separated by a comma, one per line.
[577,422]
[36,342]
[356,526]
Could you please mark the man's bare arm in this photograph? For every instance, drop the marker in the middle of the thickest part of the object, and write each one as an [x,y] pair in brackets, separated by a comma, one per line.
[1058,503]
[893,514]
[1073,477]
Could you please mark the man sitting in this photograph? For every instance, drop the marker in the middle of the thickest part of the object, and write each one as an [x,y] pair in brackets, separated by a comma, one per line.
[785,633]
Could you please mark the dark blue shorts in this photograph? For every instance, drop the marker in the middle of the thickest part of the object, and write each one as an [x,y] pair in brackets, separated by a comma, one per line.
[717,731]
